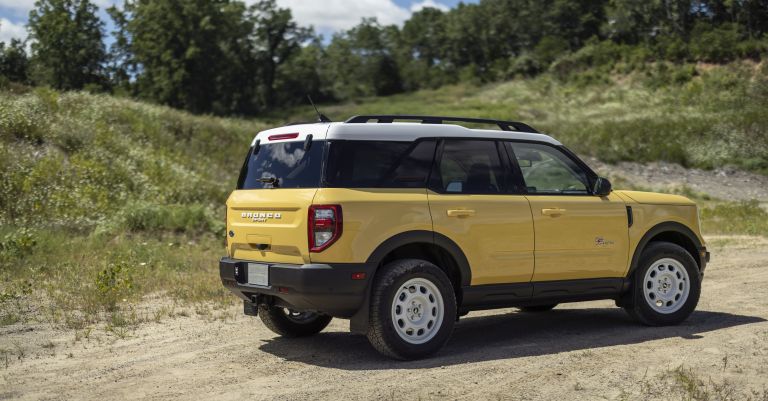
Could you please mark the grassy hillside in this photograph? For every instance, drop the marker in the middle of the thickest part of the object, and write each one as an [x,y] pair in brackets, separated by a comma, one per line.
[104,201]
[86,162]
[701,116]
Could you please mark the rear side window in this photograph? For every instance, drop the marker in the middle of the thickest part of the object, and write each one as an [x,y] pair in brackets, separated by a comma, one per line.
[470,167]
[379,164]
[283,165]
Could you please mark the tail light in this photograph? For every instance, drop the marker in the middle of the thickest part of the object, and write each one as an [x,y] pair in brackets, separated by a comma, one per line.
[324,226]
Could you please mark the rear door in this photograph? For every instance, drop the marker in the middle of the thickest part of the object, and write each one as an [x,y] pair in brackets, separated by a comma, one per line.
[473,201]
[578,235]
[267,214]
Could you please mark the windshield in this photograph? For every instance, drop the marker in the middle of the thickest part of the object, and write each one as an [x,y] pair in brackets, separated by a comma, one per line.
[282,165]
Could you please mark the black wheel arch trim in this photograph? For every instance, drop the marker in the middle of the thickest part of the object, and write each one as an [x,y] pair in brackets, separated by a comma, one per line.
[660,228]
[423,236]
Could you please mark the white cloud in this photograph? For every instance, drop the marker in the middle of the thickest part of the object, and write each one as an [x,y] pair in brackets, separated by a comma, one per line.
[327,16]
[10,30]
[416,7]
[335,15]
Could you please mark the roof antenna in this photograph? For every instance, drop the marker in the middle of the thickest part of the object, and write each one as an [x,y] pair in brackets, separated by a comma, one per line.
[320,117]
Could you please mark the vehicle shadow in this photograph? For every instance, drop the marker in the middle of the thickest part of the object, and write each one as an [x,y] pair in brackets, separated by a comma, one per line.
[504,336]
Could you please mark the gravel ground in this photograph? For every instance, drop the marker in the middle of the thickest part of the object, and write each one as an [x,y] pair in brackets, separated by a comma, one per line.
[578,351]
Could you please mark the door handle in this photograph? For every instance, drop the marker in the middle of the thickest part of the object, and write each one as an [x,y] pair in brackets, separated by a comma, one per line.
[460,212]
[553,212]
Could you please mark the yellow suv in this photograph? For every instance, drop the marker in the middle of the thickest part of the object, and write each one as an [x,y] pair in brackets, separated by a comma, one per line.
[404,223]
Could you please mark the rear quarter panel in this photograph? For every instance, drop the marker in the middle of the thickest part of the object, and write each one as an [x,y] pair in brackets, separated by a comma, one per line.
[371,216]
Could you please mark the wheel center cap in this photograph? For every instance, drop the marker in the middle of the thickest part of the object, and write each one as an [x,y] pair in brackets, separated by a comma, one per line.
[415,311]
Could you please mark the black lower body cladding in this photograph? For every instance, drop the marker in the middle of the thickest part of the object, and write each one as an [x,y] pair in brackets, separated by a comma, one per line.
[329,289]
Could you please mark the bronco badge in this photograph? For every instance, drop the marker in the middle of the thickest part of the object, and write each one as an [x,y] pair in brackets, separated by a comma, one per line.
[260,217]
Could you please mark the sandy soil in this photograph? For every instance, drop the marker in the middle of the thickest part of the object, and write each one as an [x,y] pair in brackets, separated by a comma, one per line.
[577,351]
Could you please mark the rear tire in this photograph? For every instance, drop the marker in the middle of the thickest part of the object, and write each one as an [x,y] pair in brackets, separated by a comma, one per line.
[666,286]
[288,323]
[537,308]
[413,309]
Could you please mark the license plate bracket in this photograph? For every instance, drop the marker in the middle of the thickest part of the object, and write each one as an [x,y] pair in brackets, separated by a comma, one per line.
[258,274]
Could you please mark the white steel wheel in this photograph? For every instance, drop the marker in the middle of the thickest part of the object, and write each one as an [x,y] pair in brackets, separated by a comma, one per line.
[417,311]
[666,286]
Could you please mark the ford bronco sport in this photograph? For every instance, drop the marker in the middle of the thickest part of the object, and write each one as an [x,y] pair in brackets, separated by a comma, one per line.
[404,223]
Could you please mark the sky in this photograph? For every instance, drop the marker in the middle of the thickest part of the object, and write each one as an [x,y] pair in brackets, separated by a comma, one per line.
[327,16]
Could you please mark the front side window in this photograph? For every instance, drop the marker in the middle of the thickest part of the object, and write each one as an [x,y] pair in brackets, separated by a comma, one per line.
[547,170]
[379,164]
[470,167]
[283,165]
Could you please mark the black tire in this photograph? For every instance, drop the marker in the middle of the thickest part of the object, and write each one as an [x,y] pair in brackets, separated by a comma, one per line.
[537,308]
[639,308]
[292,324]
[383,334]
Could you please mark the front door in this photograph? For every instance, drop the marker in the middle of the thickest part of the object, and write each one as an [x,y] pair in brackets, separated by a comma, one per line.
[473,202]
[578,235]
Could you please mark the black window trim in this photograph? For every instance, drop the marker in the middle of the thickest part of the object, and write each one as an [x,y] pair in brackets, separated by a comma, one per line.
[590,174]
[435,186]
[414,143]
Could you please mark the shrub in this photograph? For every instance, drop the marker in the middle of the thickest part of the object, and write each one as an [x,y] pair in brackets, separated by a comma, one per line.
[719,44]
[17,244]
[114,283]
[598,56]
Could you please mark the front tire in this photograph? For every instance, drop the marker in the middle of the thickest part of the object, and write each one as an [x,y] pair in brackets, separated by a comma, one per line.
[288,323]
[666,285]
[413,309]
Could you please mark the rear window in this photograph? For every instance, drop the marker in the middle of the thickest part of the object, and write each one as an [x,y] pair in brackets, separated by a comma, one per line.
[282,165]
[379,164]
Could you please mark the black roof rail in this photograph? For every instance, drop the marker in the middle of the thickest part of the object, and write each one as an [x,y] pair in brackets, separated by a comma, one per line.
[388,118]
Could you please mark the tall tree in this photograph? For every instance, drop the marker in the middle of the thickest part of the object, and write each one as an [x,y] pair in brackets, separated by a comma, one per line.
[180,50]
[14,63]
[276,38]
[67,47]
[361,61]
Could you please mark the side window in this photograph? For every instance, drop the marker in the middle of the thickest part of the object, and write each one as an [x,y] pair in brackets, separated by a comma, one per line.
[470,167]
[547,170]
[379,164]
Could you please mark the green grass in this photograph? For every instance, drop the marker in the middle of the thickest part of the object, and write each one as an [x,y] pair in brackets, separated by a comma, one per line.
[106,201]
[78,281]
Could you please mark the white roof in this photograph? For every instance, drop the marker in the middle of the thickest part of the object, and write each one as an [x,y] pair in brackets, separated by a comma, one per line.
[395,131]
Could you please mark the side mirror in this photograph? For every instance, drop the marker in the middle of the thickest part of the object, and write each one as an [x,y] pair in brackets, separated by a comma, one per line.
[602,187]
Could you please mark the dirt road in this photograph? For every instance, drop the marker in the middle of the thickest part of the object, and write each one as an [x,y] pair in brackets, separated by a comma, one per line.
[578,351]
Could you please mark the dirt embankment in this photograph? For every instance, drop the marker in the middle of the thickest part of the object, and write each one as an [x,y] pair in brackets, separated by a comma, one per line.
[724,183]
[577,351]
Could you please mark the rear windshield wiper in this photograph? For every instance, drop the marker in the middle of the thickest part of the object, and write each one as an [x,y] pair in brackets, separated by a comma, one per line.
[270,180]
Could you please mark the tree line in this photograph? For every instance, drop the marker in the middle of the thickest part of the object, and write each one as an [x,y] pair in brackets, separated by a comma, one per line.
[227,58]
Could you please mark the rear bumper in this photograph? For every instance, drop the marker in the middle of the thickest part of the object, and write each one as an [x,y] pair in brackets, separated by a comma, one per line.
[326,288]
